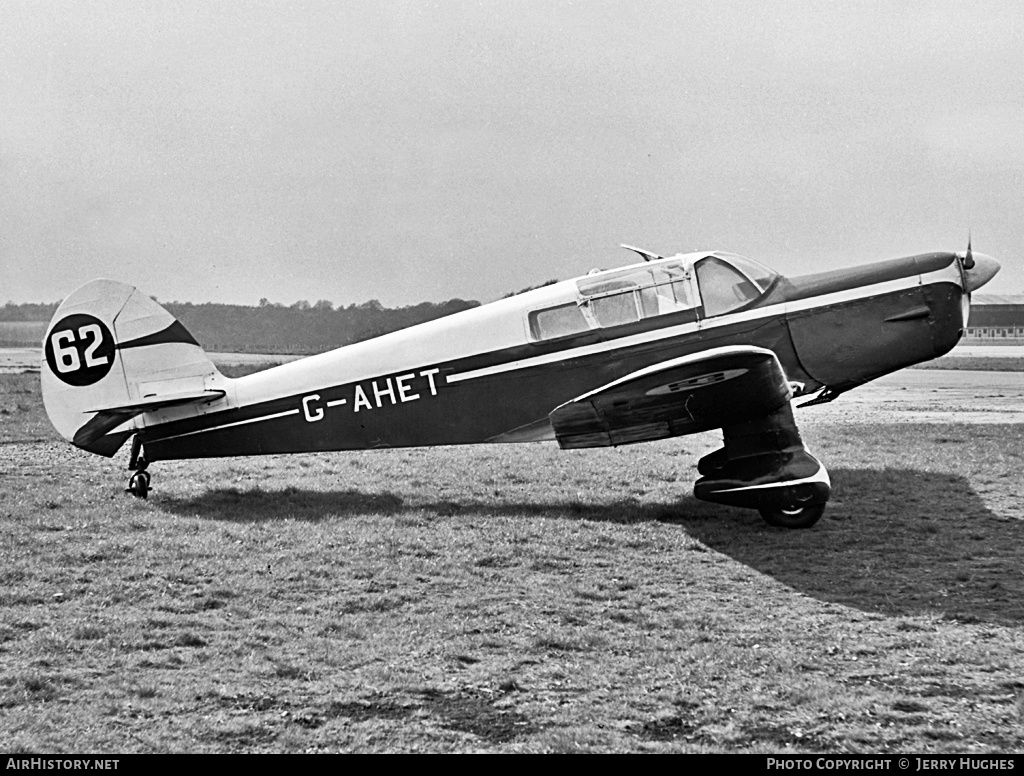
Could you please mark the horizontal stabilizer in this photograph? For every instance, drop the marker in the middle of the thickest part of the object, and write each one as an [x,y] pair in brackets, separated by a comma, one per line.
[152,403]
[108,418]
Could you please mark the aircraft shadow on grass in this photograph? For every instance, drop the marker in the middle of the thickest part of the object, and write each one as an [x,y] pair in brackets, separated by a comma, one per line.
[898,542]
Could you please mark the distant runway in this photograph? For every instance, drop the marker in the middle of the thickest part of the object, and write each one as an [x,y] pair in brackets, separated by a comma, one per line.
[987,351]
[930,396]
[15,360]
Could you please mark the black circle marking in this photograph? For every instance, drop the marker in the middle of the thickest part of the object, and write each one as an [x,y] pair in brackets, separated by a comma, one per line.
[79,350]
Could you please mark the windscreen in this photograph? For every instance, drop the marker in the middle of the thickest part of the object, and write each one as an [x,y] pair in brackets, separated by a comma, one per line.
[728,282]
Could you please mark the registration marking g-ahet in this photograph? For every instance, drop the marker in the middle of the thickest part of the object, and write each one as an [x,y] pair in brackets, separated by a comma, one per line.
[398,392]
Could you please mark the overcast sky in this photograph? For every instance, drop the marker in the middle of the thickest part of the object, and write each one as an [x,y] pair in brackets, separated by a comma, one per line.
[411,151]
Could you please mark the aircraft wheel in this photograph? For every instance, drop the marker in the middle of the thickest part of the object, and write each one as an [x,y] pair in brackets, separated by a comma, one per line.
[138,485]
[799,517]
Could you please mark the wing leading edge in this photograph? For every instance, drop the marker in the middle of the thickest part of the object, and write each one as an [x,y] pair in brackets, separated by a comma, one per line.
[712,389]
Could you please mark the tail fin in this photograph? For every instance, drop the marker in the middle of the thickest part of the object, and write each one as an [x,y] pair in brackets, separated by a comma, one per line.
[110,354]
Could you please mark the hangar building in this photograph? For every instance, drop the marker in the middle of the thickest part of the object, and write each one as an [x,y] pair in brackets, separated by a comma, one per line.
[996,317]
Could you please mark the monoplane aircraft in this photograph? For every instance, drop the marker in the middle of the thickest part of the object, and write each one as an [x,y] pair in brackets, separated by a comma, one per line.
[662,348]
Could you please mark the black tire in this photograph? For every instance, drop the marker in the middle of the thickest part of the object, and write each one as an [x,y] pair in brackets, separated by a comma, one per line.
[801,517]
[138,485]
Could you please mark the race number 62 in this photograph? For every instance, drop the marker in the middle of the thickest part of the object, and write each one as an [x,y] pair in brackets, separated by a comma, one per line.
[66,355]
[80,349]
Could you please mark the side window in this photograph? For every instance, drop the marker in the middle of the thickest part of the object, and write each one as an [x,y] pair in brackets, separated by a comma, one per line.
[666,297]
[638,293]
[723,287]
[558,321]
[615,310]
[617,305]
[610,299]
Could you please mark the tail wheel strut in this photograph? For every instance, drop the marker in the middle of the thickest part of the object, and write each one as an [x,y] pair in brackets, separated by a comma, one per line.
[138,483]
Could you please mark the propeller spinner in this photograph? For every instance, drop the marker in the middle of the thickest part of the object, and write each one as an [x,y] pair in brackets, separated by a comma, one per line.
[978,269]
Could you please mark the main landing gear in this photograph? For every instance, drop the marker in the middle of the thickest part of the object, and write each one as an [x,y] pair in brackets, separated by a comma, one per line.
[765,466]
[138,483]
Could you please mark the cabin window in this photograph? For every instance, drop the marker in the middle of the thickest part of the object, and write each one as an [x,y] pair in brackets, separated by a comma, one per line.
[641,292]
[670,294]
[619,298]
[614,303]
[560,321]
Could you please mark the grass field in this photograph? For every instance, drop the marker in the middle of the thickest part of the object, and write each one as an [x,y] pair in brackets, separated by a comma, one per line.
[516,598]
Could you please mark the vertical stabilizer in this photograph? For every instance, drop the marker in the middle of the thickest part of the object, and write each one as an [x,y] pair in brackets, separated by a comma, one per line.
[111,354]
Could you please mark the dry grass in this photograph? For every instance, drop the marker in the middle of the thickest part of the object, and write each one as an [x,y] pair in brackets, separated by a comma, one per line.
[516,598]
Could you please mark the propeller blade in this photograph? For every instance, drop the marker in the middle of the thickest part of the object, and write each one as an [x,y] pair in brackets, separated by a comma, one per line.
[968,258]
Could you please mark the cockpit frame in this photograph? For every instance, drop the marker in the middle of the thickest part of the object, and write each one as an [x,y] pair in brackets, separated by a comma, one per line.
[691,287]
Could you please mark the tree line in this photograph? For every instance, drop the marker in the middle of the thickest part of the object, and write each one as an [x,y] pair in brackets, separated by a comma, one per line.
[273,328]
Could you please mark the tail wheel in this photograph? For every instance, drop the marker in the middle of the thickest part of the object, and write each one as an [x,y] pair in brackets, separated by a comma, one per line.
[138,485]
[798,517]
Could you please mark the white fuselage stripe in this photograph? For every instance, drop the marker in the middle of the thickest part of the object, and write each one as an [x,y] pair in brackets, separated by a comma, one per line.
[837,297]
[236,423]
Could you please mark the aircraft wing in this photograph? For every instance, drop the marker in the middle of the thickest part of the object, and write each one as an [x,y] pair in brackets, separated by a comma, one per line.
[718,387]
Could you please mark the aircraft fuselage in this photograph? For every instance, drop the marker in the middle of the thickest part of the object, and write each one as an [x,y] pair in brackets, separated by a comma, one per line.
[493,374]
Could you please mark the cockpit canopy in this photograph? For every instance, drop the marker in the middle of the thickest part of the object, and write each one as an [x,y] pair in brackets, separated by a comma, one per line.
[691,287]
